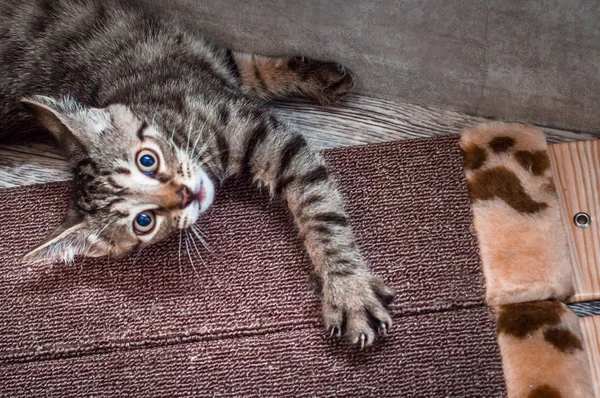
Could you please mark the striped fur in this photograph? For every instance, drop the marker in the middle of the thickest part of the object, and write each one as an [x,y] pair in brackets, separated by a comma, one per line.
[269,78]
[110,79]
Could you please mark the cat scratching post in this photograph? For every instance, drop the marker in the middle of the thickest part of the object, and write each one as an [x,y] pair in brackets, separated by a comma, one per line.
[527,260]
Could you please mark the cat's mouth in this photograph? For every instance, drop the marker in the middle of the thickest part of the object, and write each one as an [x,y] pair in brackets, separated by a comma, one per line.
[205,193]
[201,195]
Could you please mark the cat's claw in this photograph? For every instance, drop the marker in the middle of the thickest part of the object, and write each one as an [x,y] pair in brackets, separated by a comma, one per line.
[358,310]
[334,332]
[363,337]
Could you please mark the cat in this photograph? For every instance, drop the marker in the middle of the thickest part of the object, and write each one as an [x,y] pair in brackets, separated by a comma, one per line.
[151,117]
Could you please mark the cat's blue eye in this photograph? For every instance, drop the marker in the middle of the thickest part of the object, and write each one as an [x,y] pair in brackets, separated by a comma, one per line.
[147,162]
[144,222]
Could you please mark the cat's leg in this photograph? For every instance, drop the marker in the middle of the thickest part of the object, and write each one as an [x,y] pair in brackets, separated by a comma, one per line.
[272,78]
[355,303]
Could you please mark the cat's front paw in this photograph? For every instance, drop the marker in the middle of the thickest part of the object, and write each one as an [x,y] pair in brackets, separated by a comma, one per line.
[356,307]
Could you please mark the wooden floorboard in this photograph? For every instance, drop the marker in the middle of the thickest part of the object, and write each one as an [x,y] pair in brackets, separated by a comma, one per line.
[357,120]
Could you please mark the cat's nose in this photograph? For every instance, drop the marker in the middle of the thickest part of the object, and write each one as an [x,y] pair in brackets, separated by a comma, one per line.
[186,196]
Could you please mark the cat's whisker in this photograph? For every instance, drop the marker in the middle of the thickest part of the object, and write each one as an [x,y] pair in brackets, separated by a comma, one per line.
[205,160]
[112,234]
[200,135]
[205,146]
[201,151]
[179,252]
[200,239]
[84,256]
[106,226]
[137,255]
[190,154]
[197,251]
[190,129]
[212,276]
[87,247]
[213,168]
[190,256]
[203,233]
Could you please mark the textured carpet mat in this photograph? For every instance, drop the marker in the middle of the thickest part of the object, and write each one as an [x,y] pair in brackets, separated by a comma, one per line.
[245,322]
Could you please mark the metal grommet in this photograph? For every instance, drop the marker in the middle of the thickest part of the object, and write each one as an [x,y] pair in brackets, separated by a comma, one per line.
[582,220]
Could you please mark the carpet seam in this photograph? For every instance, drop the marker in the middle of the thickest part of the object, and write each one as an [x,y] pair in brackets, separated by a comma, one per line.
[178,340]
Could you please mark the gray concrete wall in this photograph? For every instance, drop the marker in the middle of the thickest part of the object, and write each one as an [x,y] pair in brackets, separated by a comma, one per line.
[536,61]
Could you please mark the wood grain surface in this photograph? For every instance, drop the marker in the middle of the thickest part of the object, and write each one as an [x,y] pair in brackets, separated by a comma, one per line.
[576,168]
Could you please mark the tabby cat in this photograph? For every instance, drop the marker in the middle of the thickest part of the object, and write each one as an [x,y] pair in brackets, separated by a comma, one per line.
[151,117]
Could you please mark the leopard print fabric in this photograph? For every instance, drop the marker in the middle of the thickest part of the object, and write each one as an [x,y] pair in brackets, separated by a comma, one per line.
[516,213]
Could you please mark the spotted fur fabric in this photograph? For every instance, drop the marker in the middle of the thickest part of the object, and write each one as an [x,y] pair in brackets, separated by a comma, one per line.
[516,214]
[543,351]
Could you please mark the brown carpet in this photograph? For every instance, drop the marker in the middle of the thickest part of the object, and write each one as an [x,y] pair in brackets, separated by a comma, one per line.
[247,324]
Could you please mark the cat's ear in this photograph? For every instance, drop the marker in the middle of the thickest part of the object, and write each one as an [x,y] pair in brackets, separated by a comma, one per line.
[70,123]
[73,237]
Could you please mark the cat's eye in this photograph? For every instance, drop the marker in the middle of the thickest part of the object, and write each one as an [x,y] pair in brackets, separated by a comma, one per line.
[144,222]
[147,161]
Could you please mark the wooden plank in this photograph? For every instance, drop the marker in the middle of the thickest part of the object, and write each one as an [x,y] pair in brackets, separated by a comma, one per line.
[356,120]
[590,327]
[576,168]
[363,120]
[20,167]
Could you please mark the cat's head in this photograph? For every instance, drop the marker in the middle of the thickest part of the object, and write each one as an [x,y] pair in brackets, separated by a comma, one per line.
[133,186]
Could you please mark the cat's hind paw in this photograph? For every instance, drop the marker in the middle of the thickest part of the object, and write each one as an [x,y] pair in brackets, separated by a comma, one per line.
[326,82]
